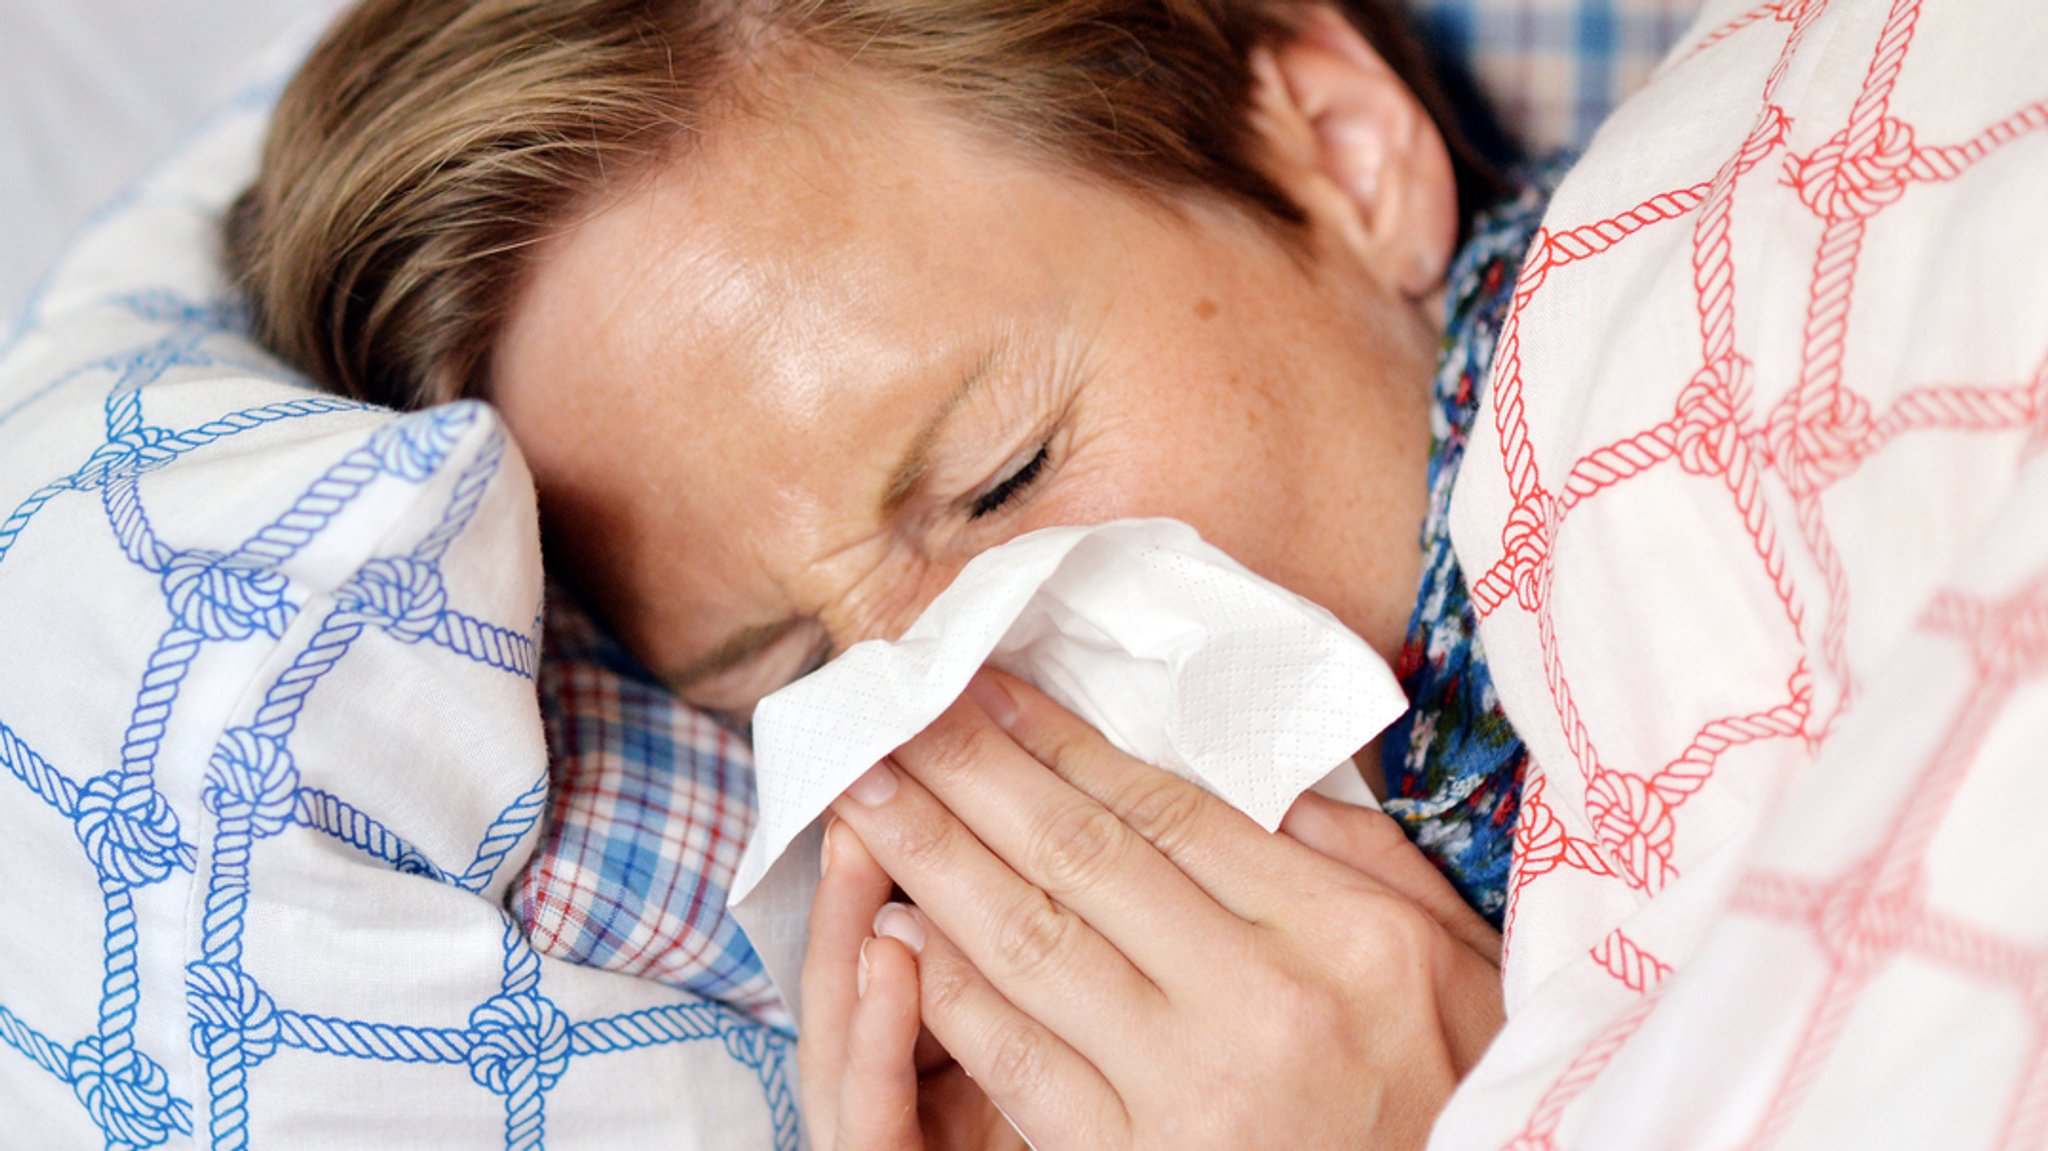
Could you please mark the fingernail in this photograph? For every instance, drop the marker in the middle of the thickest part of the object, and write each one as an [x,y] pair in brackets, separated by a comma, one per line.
[900,924]
[984,690]
[874,788]
[860,973]
[825,846]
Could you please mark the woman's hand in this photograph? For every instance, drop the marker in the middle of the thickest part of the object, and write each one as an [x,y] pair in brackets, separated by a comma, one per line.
[1120,960]
[872,1078]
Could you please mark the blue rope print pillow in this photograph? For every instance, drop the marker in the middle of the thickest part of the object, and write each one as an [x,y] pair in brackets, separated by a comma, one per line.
[270,754]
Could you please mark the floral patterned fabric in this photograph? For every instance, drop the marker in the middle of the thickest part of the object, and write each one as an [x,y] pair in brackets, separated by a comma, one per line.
[1453,763]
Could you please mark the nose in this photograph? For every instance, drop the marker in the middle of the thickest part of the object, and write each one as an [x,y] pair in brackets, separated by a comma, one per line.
[875,596]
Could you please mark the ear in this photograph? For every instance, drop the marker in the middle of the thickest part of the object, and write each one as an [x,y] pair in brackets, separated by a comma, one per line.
[1348,141]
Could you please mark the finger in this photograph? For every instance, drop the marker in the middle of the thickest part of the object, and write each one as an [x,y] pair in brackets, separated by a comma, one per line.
[1062,840]
[930,1055]
[956,1113]
[1371,843]
[878,1092]
[1249,872]
[851,888]
[1471,1007]
[1050,962]
[1047,1088]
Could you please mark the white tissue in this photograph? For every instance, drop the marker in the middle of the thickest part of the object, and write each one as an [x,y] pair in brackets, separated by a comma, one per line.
[1178,654]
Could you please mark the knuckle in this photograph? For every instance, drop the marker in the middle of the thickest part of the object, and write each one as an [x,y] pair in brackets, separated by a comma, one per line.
[945,986]
[1065,744]
[1079,846]
[1034,937]
[1414,934]
[950,749]
[1166,811]
[925,842]
[1016,1062]
[1383,850]
[1390,936]
[1301,1005]
[1404,927]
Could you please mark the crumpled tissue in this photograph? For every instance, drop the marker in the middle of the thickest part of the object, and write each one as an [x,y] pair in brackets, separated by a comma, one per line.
[1178,654]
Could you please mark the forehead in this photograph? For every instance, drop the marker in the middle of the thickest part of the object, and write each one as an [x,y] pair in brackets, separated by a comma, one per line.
[774,282]
[783,241]
[707,361]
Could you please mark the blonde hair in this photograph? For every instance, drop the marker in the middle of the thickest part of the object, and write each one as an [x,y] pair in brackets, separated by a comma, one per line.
[427,145]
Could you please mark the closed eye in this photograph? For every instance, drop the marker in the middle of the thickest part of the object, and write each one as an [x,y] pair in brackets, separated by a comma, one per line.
[993,499]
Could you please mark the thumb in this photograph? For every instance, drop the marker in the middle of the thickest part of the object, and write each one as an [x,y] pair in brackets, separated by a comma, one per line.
[1371,843]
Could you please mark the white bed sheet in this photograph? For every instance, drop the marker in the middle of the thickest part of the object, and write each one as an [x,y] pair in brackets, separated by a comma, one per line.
[93,91]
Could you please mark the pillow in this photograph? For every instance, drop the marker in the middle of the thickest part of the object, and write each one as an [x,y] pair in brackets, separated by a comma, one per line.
[272,754]
[1756,516]
[651,805]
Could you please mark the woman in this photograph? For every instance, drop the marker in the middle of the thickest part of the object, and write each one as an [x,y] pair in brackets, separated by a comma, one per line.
[794,308]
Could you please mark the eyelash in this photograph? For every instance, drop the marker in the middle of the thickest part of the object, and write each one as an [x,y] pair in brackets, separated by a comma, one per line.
[994,499]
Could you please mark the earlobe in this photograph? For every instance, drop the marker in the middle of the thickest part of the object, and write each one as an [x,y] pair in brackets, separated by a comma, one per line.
[1357,151]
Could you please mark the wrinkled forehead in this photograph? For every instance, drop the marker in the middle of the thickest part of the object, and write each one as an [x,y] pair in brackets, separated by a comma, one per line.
[846,224]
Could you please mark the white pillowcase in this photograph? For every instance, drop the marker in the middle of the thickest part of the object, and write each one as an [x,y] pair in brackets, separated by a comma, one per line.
[270,752]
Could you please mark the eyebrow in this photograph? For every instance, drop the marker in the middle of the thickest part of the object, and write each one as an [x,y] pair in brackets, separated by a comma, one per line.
[739,647]
[910,471]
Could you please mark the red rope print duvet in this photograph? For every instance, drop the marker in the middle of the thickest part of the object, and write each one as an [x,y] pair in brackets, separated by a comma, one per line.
[1757,523]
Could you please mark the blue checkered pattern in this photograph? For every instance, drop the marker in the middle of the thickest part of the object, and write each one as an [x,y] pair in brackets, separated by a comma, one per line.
[651,806]
[1553,69]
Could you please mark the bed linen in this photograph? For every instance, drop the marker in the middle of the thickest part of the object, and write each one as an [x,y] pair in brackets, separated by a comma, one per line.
[732,1093]
[271,756]
[1756,517]
[1551,70]
[649,807]
[94,91]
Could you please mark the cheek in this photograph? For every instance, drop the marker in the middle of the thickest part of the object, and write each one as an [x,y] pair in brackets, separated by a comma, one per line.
[1212,453]
[1137,482]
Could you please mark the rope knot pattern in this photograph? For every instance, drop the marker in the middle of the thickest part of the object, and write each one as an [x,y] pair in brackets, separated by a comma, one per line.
[1635,825]
[748,1042]
[129,454]
[1539,837]
[522,1045]
[403,596]
[226,597]
[1818,438]
[252,777]
[414,448]
[1710,418]
[128,828]
[1859,924]
[129,1098]
[1854,179]
[1527,538]
[221,1000]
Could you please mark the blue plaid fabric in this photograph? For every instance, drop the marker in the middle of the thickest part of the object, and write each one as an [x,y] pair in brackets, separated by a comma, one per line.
[1552,70]
[651,806]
